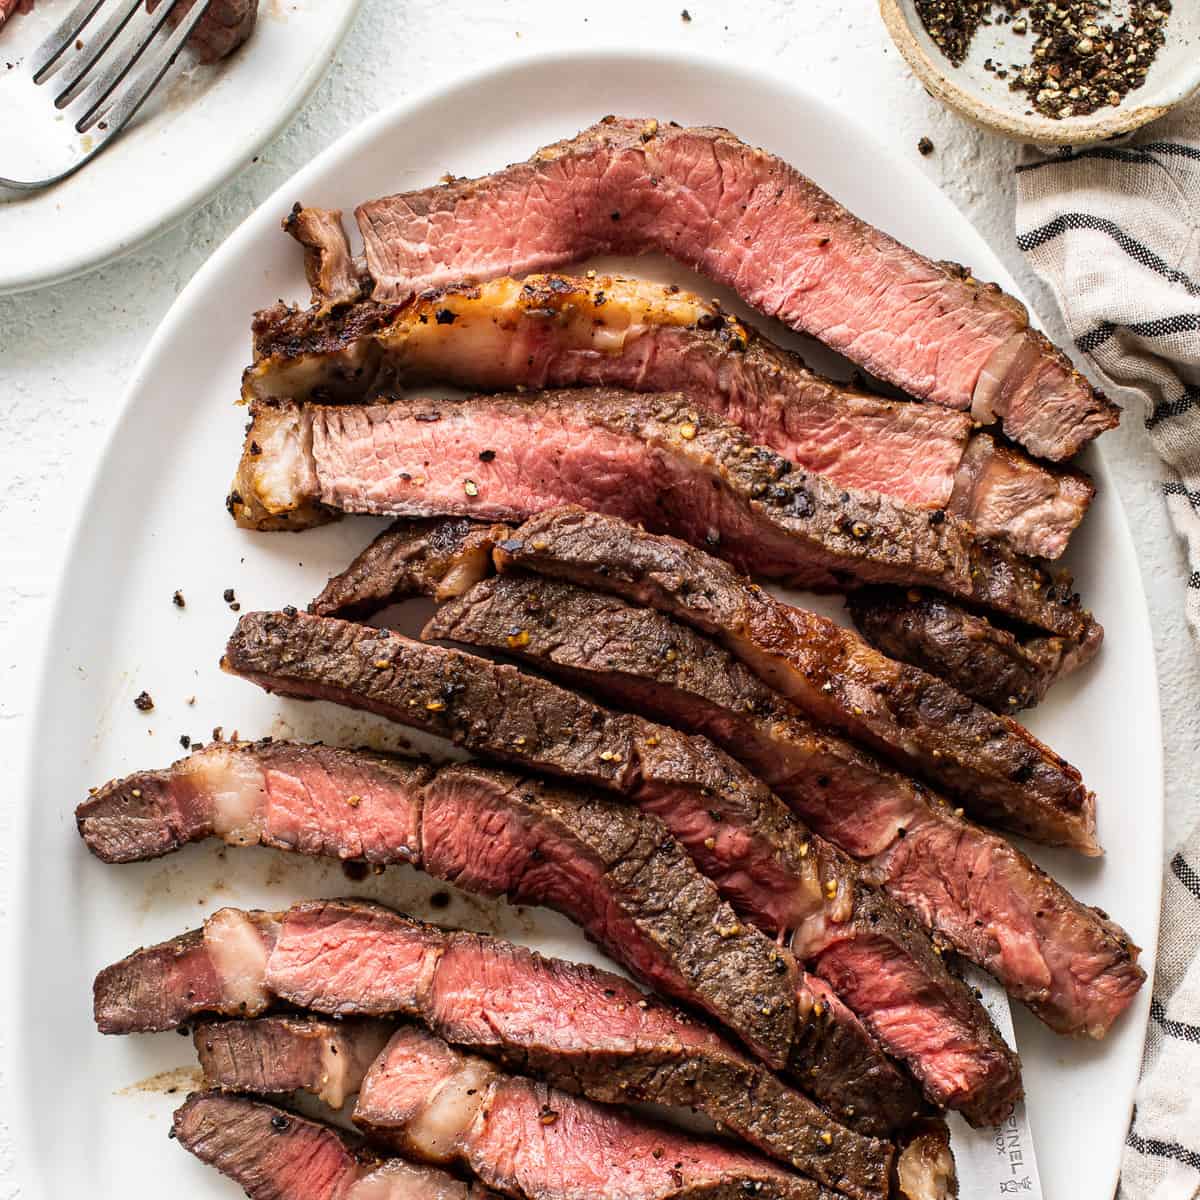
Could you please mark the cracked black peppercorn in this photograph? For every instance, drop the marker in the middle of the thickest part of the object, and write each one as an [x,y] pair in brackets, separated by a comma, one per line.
[1078,64]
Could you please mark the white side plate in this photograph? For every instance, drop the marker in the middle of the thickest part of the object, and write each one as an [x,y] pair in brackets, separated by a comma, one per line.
[154,521]
[206,125]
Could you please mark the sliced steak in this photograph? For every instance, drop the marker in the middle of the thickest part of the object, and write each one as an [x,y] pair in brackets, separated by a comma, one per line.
[273,1154]
[1076,969]
[753,223]
[333,276]
[768,866]
[583,1029]
[740,835]
[529,1140]
[440,557]
[652,459]
[226,25]
[217,970]
[1005,494]
[271,1055]
[992,765]
[613,870]
[1006,671]
[555,331]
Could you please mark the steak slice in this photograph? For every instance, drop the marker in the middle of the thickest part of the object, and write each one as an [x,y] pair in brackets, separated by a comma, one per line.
[529,1140]
[440,557]
[217,970]
[273,1154]
[653,459]
[270,1055]
[972,889]
[998,770]
[753,223]
[768,866]
[556,331]
[273,1055]
[740,835]
[583,1029]
[333,276]
[612,869]
[1030,505]
[999,668]
[222,29]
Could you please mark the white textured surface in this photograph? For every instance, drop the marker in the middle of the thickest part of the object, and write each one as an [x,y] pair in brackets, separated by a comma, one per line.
[67,352]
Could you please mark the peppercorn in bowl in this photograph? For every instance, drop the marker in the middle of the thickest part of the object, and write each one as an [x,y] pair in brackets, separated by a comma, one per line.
[1061,72]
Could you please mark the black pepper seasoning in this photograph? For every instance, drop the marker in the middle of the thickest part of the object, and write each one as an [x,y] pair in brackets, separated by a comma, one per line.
[1078,64]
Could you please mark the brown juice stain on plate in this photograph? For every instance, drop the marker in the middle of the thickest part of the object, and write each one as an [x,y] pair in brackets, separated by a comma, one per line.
[166,1083]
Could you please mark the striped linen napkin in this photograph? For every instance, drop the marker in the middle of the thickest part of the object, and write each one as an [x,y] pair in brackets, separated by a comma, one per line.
[1115,232]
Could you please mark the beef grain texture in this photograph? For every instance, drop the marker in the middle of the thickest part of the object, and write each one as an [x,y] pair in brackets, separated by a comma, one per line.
[767,865]
[657,460]
[644,901]
[440,557]
[333,276]
[226,25]
[533,1141]
[753,223]
[556,331]
[970,887]
[273,1154]
[995,768]
[272,1055]
[608,867]
[583,1029]
[999,668]
[739,834]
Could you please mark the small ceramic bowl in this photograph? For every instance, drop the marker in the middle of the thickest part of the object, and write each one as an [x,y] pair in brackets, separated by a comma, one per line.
[979,95]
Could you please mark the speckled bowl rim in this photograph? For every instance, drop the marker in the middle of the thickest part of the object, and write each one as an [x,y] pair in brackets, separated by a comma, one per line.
[1042,130]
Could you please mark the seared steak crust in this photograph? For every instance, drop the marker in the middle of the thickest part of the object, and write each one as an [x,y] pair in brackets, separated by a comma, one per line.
[644,900]
[273,1154]
[332,274]
[440,557]
[653,459]
[272,1055]
[739,834]
[960,1059]
[555,331]
[751,222]
[992,765]
[530,1140]
[995,666]
[972,888]
[583,1029]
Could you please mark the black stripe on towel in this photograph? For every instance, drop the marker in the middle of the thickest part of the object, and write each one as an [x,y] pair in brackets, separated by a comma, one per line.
[1179,148]
[1144,153]
[1176,1029]
[1180,867]
[1159,1149]
[1159,327]
[1172,488]
[1136,250]
[1174,408]
[1111,153]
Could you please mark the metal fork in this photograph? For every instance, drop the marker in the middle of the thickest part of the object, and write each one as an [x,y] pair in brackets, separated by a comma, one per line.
[84,73]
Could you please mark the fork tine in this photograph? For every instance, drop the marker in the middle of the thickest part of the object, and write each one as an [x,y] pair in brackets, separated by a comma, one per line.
[75,71]
[65,32]
[136,94]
